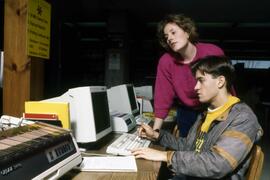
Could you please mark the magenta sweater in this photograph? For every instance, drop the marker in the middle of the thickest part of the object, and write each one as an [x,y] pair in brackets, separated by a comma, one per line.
[175,80]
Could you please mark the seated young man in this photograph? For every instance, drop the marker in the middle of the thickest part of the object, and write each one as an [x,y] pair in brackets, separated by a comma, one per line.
[218,144]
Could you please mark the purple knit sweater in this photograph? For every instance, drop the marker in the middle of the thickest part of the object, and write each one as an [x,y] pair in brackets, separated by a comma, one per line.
[175,80]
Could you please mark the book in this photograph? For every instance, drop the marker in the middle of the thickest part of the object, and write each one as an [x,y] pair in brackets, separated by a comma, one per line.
[40,116]
[45,118]
[108,164]
[61,109]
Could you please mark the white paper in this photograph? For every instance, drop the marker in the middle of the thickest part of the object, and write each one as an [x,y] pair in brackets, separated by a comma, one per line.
[144,91]
[109,163]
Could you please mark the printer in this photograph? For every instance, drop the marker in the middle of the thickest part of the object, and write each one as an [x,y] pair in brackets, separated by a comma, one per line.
[122,122]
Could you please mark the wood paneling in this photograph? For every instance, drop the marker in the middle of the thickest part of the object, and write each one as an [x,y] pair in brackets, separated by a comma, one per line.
[17,85]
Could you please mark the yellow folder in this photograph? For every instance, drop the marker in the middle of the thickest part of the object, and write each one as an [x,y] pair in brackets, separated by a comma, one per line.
[59,108]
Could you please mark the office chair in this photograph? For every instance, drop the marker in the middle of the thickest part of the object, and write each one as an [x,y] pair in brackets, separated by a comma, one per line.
[256,164]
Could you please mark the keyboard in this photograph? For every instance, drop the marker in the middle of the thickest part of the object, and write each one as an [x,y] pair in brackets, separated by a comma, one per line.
[141,119]
[123,144]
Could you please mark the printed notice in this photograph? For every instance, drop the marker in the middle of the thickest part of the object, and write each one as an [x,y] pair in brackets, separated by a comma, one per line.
[114,61]
[38,28]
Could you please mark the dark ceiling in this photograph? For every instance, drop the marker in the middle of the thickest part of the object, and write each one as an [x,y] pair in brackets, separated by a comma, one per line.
[240,27]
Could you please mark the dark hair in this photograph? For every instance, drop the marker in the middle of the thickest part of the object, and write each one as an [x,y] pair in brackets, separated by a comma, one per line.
[216,66]
[183,22]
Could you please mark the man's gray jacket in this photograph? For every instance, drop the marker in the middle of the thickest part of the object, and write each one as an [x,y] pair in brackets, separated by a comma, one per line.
[225,153]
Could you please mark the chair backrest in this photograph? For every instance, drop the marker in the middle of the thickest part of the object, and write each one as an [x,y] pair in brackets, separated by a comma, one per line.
[256,164]
[175,131]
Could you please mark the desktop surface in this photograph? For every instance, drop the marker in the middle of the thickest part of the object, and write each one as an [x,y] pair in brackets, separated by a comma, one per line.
[146,169]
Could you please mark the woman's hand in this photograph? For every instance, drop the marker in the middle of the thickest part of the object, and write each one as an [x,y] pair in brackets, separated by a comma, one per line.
[150,154]
[145,131]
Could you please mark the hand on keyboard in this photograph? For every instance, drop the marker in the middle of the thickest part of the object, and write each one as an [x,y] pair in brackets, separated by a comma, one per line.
[125,143]
[150,154]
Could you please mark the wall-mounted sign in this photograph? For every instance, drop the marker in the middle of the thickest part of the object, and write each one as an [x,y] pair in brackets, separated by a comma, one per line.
[38,28]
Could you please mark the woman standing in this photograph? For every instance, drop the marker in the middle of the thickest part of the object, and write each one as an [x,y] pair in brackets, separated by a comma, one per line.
[177,35]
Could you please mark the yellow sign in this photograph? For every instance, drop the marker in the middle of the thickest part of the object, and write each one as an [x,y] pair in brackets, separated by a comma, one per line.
[38,28]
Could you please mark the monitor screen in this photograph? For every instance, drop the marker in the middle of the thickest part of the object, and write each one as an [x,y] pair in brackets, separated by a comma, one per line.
[131,97]
[101,112]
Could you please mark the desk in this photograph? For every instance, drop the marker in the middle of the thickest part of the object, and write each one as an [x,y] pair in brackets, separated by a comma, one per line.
[146,169]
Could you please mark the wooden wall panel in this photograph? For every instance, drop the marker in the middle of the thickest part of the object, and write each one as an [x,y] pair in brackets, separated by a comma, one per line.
[17,65]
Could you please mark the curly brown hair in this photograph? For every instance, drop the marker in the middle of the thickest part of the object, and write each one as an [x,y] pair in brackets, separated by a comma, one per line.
[185,23]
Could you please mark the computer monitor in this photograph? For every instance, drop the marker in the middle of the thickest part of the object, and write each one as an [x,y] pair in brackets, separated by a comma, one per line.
[89,112]
[122,99]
